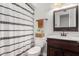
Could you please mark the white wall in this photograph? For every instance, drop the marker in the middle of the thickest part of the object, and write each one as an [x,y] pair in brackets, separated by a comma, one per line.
[41,9]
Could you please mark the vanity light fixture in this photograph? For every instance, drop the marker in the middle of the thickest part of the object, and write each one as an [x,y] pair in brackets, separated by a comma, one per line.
[57,5]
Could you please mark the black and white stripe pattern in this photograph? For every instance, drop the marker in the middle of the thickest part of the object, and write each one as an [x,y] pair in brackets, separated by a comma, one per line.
[16,28]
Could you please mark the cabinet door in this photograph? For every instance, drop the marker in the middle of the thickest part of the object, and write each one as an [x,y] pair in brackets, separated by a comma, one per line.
[54,52]
[70,53]
[40,23]
[50,51]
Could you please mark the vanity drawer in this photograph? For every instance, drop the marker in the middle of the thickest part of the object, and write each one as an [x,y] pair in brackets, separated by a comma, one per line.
[67,45]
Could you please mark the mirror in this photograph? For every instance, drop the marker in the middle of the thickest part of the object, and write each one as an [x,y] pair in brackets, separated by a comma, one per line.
[66,19]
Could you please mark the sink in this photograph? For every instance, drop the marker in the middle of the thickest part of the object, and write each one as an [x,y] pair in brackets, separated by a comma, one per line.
[73,38]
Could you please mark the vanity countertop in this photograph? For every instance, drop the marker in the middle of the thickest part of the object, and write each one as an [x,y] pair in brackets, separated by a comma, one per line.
[64,37]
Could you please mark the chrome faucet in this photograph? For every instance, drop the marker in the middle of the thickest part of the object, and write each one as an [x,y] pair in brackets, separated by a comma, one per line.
[63,34]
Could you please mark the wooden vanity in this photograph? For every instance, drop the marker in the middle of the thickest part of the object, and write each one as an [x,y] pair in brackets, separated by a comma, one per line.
[58,47]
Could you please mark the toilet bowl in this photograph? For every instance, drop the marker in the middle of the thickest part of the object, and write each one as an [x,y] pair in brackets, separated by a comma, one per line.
[36,50]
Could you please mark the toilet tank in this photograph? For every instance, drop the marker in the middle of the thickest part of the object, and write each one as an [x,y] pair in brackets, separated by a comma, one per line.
[40,42]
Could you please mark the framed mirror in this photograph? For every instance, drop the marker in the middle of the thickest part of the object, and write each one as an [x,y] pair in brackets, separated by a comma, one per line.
[66,19]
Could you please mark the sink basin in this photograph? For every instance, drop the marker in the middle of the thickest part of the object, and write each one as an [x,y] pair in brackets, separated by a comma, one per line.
[64,37]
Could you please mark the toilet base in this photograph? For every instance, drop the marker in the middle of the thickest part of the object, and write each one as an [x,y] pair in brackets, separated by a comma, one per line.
[35,51]
[37,54]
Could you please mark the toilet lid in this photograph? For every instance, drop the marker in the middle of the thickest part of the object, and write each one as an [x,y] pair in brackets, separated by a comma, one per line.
[33,50]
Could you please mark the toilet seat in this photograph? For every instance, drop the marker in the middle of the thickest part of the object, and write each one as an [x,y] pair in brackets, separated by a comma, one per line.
[34,50]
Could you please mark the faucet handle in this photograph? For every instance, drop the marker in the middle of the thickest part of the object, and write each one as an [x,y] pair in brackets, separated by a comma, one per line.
[63,34]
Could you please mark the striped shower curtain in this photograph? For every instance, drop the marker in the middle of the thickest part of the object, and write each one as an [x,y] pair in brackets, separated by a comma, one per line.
[16,28]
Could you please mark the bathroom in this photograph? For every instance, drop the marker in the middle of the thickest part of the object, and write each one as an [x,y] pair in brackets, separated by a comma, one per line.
[39,29]
[63,40]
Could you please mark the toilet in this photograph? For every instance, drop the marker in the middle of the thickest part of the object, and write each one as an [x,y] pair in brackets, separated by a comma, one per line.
[36,50]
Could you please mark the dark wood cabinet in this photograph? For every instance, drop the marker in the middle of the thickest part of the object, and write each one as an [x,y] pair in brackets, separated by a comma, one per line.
[54,51]
[58,47]
[70,53]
